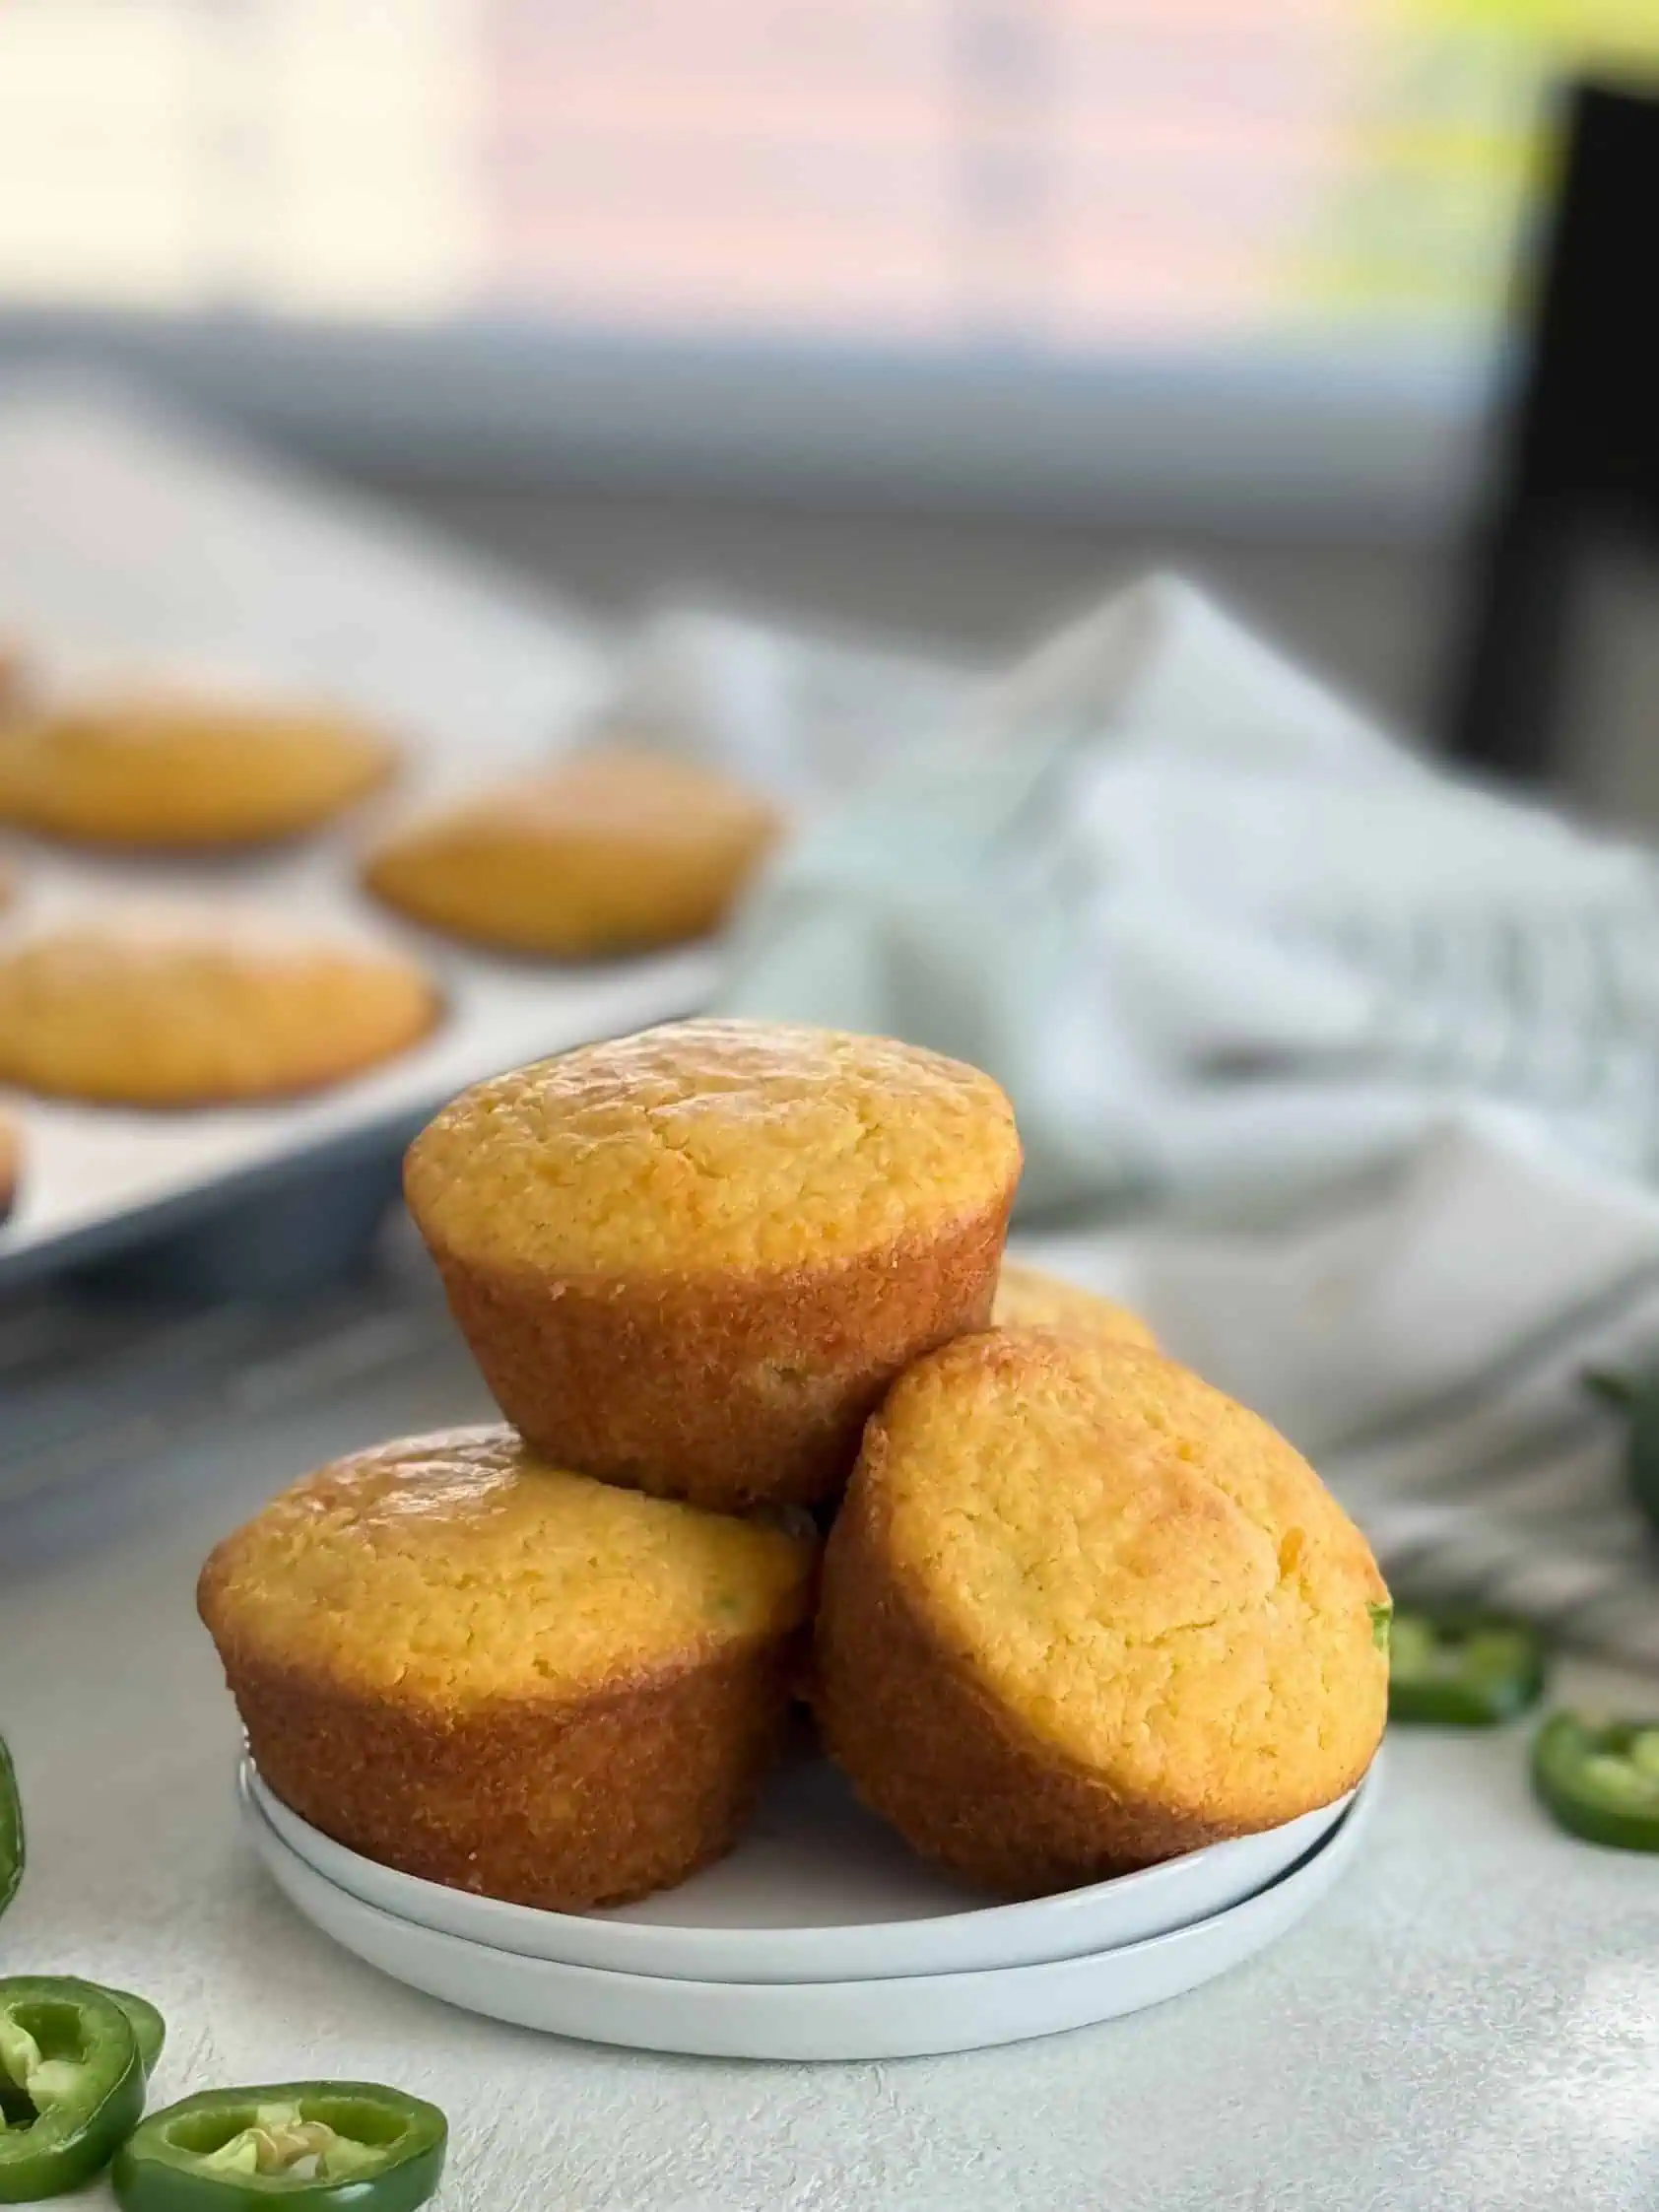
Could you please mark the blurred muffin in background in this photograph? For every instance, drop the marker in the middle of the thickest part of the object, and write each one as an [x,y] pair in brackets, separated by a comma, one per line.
[170,768]
[1027,1298]
[138,1012]
[611,850]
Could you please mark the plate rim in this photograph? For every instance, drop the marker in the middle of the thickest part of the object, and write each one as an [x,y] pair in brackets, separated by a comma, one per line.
[1031,1913]
[910,2016]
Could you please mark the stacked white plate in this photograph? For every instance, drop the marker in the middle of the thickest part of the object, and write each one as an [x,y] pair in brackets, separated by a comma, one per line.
[820,1937]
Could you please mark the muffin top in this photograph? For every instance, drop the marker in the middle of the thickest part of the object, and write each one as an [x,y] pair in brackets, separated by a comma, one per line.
[616,800]
[607,850]
[708,1146]
[169,767]
[187,1012]
[1026,1297]
[458,1567]
[1147,1575]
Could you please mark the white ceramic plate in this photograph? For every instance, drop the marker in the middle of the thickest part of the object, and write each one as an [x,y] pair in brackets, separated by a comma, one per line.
[911,2016]
[818,1889]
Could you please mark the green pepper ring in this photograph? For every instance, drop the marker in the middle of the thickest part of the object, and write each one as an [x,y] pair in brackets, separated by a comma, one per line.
[1575,1766]
[149,2029]
[1502,1673]
[67,2143]
[160,2168]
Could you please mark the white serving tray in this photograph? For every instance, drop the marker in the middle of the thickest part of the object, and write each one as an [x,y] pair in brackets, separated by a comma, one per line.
[128,541]
[818,1890]
[896,2018]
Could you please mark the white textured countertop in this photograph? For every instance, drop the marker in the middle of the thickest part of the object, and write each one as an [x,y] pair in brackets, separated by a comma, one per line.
[1470,2022]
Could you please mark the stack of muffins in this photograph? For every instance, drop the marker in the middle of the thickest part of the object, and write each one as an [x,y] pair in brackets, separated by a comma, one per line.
[734,1286]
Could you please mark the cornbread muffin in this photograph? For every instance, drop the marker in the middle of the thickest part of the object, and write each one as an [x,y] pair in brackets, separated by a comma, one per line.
[10,1155]
[694,1260]
[485,1671]
[607,852]
[174,770]
[195,1015]
[1026,1297]
[1082,1613]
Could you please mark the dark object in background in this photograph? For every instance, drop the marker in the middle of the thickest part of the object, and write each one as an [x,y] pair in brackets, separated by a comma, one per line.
[1579,459]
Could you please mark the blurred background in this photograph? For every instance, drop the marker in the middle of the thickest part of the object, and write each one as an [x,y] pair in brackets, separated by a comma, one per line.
[937,313]
[925,323]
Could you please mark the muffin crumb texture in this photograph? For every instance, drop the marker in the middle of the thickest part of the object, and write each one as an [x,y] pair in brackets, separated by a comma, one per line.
[455,1568]
[711,1145]
[492,1673]
[693,1260]
[1082,1611]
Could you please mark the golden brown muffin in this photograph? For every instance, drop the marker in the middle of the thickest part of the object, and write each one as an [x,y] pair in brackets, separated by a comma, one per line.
[179,770]
[1081,1613]
[607,853]
[693,1259]
[491,1673]
[130,1014]
[1026,1297]
[9,1155]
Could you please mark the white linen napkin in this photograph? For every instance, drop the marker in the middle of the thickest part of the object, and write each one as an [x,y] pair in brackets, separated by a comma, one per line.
[1376,1053]
[806,715]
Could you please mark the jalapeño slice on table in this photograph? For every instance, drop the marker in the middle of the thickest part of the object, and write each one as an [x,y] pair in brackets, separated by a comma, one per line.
[11,1829]
[1600,1778]
[319,2146]
[1461,1667]
[71,2085]
[149,2029]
